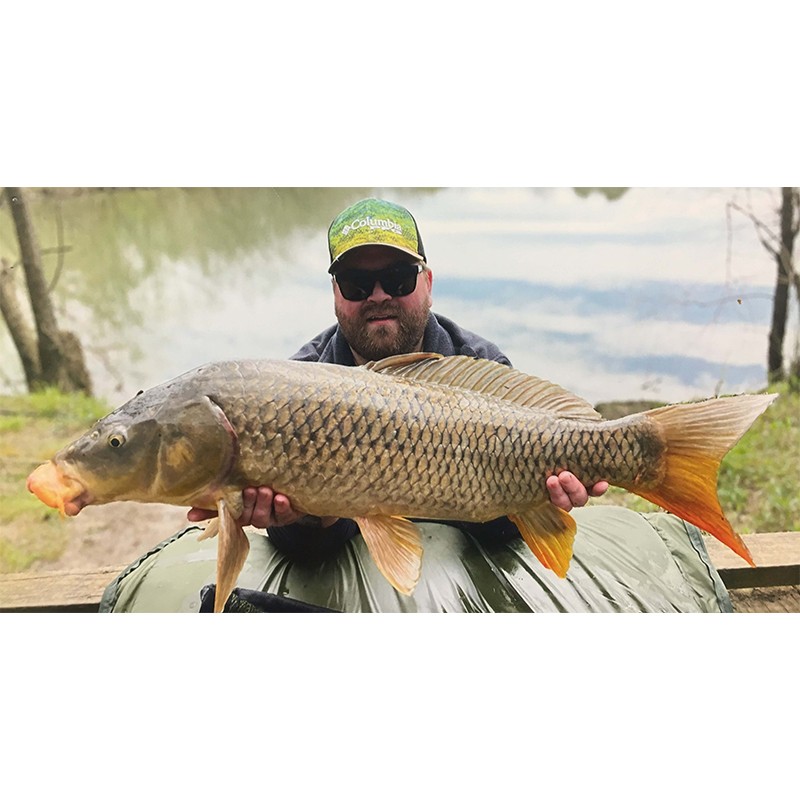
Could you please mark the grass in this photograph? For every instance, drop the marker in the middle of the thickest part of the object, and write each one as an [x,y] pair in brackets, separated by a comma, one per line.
[32,428]
[759,477]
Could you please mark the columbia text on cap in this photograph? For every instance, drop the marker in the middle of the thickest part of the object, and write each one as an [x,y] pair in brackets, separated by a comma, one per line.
[374,221]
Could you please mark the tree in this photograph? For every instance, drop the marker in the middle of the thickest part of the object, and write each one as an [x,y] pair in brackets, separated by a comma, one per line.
[49,356]
[780,245]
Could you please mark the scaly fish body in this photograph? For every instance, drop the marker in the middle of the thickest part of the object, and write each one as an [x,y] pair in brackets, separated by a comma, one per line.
[345,442]
[418,436]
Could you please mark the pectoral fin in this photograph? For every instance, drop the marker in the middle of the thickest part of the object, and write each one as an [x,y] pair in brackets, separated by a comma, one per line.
[549,532]
[232,551]
[395,545]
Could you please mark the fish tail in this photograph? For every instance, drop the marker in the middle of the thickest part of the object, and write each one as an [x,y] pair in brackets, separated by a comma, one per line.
[696,437]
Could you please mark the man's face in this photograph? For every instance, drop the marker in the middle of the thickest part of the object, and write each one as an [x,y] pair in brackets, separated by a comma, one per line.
[382,325]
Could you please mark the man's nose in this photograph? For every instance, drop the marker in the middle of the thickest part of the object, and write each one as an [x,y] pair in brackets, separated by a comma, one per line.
[378,295]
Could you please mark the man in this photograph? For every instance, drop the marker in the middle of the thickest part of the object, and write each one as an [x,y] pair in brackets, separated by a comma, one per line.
[382,299]
[622,561]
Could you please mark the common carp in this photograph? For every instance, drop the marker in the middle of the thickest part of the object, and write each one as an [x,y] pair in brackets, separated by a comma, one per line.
[412,436]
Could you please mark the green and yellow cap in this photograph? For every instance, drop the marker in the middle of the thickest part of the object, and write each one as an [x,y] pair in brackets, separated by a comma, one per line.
[373,221]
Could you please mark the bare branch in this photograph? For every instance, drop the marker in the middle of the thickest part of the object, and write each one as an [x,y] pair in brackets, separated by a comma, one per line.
[22,332]
[796,224]
[760,227]
[48,251]
[59,249]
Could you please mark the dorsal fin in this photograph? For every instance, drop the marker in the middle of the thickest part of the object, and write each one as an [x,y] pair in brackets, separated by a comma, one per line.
[401,360]
[489,378]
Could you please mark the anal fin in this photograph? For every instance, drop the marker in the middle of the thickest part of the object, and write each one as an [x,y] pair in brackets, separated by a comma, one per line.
[395,545]
[549,532]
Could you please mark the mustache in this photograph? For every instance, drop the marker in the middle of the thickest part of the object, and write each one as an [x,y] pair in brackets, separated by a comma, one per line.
[385,309]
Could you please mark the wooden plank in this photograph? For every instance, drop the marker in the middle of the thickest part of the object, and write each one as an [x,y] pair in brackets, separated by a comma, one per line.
[766,599]
[777,557]
[55,591]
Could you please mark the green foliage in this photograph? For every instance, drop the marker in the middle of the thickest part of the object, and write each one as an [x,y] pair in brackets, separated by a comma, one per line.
[758,478]
[27,544]
[69,409]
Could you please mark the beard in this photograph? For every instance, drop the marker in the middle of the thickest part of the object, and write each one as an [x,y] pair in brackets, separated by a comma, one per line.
[374,344]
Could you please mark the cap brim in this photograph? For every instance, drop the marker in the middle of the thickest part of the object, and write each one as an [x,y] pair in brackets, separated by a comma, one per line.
[335,263]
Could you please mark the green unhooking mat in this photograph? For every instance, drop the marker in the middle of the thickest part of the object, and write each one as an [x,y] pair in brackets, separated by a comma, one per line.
[623,561]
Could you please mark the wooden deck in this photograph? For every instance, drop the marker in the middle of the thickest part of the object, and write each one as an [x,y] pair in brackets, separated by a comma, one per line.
[772,586]
[55,591]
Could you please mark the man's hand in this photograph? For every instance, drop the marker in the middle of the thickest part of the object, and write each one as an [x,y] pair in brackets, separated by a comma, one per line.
[262,508]
[567,492]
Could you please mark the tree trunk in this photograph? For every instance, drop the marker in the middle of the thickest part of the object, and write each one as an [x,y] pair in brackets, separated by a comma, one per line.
[43,313]
[61,359]
[22,333]
[785,276]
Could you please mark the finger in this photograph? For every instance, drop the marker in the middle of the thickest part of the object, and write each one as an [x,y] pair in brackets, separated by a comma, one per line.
[574,489]
[249,494]
[263,514]
[199,514]
[558,497]
[284,513]
[600,488]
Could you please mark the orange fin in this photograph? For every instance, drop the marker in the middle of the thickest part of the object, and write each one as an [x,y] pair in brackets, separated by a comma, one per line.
[549,532]
[395,545]
[232,552]
[697,437]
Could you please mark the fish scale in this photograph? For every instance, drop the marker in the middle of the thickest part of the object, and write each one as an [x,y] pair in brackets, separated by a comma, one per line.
[364,425]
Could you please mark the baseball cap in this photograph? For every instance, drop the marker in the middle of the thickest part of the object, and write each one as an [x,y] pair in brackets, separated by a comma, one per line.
[374,221]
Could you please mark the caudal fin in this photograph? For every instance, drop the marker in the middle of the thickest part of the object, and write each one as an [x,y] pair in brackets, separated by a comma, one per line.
[697,437]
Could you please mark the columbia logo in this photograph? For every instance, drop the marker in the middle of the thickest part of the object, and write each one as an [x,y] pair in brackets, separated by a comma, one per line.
[372,223]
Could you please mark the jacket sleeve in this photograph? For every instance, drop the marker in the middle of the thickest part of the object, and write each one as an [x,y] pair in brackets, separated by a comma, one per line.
[496,531]
[312,542]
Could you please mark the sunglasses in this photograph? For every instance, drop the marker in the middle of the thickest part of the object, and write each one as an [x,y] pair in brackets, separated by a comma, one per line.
[397,280]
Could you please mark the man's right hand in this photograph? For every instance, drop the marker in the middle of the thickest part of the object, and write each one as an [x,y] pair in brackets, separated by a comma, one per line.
[262,508]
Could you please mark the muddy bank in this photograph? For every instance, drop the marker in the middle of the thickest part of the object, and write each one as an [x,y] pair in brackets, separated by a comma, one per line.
[115,534]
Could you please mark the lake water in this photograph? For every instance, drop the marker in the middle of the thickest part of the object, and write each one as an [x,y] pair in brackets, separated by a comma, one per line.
[658,294]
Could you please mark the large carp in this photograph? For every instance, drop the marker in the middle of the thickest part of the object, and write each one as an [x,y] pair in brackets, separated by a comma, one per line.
[419,436]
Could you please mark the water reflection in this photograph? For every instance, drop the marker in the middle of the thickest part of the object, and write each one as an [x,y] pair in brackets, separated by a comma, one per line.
[653,294]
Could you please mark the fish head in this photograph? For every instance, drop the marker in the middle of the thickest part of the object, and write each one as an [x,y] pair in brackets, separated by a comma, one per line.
[174,450]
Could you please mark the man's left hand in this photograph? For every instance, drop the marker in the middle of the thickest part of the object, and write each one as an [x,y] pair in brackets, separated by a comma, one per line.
[567,492]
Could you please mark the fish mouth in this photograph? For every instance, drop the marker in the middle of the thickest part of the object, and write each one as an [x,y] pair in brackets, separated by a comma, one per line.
[57,489]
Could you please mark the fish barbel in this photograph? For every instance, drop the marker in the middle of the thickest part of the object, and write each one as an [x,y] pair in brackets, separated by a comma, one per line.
[412,436]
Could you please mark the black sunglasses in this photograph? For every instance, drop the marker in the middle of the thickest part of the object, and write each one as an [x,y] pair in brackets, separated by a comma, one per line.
[397,280]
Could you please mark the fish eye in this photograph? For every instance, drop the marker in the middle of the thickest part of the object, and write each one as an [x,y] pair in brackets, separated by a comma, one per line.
[116,440]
